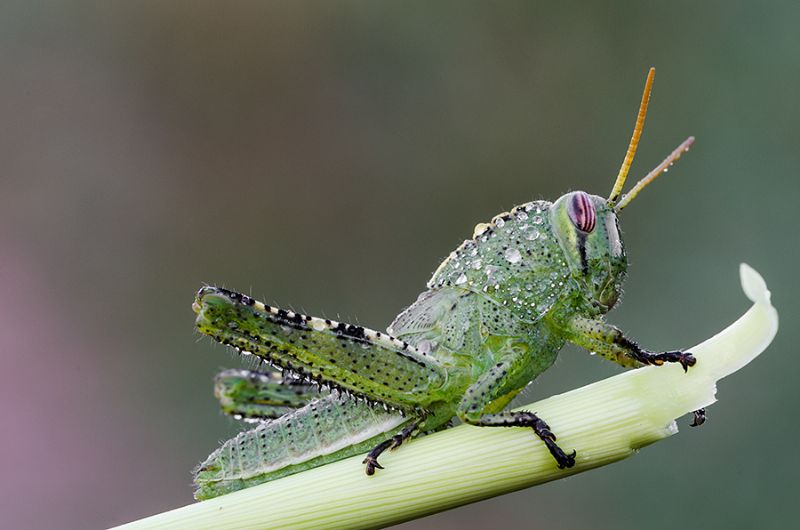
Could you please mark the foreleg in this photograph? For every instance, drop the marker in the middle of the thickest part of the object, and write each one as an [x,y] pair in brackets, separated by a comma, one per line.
[607,340]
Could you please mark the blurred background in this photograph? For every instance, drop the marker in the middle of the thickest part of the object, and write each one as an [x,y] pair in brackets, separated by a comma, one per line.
[149,147]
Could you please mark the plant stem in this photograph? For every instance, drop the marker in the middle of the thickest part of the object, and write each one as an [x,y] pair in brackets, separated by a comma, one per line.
[604,422]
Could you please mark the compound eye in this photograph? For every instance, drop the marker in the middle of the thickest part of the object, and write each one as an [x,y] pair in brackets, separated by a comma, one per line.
[581,211]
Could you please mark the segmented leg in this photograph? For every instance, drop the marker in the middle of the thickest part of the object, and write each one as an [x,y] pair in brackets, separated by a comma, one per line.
[542,430]
[607,340]
[493,391]
[261,395]
[394,442]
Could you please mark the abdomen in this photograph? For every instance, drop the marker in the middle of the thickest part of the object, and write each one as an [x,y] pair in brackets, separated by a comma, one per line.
[323,431]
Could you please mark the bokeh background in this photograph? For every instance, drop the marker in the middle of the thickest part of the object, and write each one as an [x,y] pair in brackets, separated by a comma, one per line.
[326,156]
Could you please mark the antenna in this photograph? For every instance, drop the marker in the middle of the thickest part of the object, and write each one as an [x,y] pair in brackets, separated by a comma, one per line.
[650,177]
[637,133]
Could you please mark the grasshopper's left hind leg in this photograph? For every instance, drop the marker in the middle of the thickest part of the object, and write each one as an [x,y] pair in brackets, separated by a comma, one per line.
[347,357]
[395,441]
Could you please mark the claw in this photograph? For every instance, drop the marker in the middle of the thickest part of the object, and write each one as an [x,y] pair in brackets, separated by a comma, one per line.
[563,460]
[372,465]
[687,360]
[699,418]
[566,461]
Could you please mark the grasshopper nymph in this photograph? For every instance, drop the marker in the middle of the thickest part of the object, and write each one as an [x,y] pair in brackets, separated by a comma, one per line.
[495,315]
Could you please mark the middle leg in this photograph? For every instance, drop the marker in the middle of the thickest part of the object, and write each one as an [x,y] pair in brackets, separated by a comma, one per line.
[483,403]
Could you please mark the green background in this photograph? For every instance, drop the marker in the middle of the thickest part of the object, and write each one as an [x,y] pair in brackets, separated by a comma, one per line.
[326,156]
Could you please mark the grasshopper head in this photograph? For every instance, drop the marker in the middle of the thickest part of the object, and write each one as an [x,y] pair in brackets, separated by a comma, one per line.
[587,231]
[586,225]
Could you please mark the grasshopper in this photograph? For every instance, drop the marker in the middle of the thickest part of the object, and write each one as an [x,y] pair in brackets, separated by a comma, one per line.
[494,316]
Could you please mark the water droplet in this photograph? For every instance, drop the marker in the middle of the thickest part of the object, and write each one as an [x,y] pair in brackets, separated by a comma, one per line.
[513,255]
[480,228]
[533,235]
[521,215]
[477,264]
[537,219]
[666,169]
[461,279]
[500,223]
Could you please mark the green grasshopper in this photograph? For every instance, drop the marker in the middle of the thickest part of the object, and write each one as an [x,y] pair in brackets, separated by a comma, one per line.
[495,315]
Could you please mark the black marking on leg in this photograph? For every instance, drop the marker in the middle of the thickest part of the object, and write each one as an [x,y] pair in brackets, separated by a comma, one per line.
[699,418]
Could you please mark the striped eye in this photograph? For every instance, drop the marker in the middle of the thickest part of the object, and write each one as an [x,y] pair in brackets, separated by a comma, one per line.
[581,211]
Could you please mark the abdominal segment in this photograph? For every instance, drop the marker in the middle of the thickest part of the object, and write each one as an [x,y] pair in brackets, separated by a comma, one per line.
[326,430]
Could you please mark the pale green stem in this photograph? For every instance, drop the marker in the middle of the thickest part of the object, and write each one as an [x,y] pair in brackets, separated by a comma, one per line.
[605,422]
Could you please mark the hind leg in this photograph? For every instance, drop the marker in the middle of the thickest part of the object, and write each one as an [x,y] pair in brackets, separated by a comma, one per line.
[395,441]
